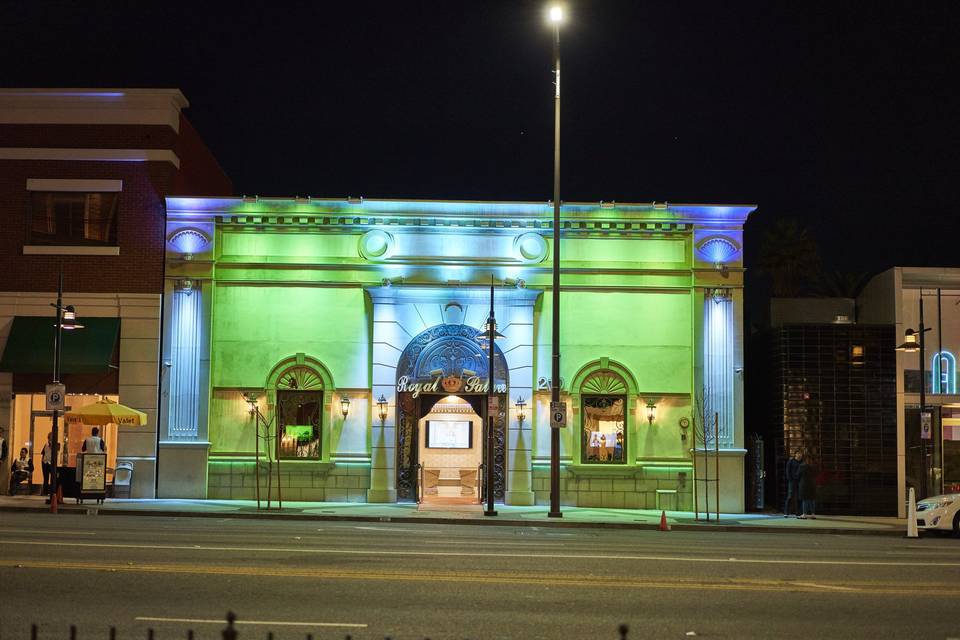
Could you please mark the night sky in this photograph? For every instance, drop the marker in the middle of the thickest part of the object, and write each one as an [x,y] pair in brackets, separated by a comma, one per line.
[841,114]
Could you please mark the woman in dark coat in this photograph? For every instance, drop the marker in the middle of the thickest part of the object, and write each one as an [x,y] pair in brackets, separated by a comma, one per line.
[807,481]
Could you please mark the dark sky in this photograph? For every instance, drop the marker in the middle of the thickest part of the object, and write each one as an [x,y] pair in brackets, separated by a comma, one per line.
[842,114]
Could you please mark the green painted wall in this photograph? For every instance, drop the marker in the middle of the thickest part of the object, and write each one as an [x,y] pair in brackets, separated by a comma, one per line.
[254,327]
[649,333]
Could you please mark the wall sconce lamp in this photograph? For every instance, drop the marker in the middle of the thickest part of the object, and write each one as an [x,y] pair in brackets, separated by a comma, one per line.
[520,404]
[382,409]
[651,411]
[345,406]
[251,399]
[684,425]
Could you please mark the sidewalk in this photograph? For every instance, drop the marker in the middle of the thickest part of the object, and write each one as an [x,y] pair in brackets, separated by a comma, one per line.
[437,514]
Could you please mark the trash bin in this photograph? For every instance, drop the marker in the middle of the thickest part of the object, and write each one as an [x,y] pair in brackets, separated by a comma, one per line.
[122,479]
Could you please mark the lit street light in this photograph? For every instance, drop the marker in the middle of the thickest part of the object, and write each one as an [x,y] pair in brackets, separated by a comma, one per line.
[911,345]
[66,320]
[556,17]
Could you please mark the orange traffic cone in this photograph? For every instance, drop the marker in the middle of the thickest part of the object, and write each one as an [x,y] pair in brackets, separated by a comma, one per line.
[663,521]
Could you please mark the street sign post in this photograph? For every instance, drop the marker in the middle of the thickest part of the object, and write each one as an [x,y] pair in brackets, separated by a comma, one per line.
[558,415]
[56,395]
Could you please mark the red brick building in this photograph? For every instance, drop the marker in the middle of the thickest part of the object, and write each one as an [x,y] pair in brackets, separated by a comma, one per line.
[83,178]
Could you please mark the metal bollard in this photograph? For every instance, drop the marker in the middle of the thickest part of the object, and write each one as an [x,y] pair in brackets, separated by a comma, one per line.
[73,632]
[229,632]
[113,633]
[33,632]
[189,634]
[309,636]
[269,635]
[149,634]
[623,631]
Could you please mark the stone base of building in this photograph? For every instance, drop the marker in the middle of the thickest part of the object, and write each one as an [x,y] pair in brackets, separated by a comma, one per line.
[521,498]
[298,481]
[666,488]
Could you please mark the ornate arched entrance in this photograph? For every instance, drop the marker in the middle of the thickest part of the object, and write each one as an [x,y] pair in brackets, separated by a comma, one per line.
[446,359]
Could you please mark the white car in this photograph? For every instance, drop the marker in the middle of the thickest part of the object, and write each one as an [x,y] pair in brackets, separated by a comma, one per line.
[941,513]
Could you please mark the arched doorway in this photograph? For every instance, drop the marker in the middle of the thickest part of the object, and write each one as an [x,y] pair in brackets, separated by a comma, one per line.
[446,359]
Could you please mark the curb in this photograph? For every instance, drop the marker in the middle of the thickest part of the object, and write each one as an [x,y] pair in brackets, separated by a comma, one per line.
[553,524]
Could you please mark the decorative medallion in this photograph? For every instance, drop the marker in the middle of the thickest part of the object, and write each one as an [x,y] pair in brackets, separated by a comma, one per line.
[717,249]
[376,245]
[530,248]
[452,384]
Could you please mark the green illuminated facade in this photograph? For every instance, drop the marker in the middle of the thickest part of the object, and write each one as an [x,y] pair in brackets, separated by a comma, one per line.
[319,308]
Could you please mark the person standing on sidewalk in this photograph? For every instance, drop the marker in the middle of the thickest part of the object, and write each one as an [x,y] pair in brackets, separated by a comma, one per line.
[46,463]
[807,480]
[793,492]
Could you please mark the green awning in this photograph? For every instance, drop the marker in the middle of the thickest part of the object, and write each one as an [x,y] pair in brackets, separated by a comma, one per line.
[89,350]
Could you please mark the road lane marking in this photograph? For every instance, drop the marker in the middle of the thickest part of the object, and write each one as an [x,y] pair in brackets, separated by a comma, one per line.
[272,623]
[474,554]
[393,530]
[557,580]
[818,585]
[51,532]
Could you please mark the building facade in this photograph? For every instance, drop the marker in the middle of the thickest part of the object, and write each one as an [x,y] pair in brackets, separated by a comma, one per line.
[83,177]
[351,326]
[832,392]
[928,455]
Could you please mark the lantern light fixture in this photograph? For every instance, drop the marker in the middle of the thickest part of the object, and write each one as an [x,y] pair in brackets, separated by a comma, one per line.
[651,411]
[345,406]
[520,404]
[382,409]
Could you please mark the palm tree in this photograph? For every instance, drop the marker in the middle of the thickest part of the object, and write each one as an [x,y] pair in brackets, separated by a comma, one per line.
[788,254]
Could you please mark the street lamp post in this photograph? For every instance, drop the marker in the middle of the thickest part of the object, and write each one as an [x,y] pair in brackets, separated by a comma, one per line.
[913,343]
[492,335]
[66,319]
[556,17]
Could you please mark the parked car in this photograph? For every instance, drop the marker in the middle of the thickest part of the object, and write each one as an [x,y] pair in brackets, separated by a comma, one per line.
[941,513]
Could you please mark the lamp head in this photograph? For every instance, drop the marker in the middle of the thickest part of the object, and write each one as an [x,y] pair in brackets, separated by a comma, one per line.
[651,411]
[69,320]
[382,408]
[555,14]
[345,406]
[910,344]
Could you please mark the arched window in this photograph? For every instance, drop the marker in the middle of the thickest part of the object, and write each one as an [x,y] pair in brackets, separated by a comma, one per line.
[298,385]
[603,403]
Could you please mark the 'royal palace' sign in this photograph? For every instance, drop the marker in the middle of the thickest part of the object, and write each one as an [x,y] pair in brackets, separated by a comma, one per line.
[448,384]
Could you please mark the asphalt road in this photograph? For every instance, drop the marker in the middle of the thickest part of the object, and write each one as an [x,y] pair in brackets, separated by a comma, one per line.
[333,579]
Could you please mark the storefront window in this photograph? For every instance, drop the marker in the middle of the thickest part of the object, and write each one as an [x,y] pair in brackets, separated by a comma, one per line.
[604,429]
[299,423]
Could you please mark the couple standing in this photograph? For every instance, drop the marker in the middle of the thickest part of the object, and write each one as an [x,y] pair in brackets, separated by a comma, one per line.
[801,486]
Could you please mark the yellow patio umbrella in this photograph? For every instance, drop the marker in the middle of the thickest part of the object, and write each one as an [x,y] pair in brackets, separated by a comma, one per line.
[106,411]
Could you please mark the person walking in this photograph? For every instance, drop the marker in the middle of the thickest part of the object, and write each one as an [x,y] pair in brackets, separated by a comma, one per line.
[46,463]
[807,481]
[793,492]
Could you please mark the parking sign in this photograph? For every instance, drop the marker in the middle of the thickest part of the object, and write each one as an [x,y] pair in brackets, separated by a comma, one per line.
[558,415]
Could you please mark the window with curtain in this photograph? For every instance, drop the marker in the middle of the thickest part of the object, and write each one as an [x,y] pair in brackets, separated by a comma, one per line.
[603,403]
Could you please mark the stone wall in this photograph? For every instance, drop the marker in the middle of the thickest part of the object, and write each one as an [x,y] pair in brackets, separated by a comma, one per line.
[298,481]
[631,488]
